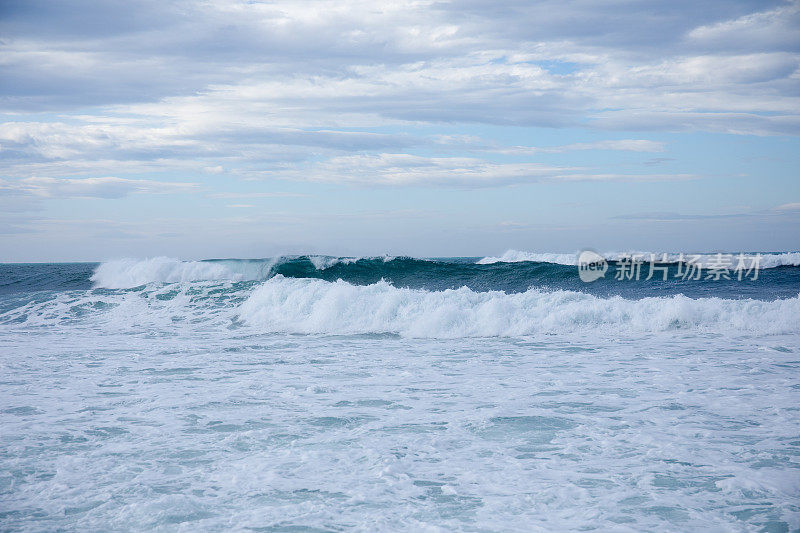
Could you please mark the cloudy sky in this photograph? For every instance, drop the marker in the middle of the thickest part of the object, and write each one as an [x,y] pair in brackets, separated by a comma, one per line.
[248,129]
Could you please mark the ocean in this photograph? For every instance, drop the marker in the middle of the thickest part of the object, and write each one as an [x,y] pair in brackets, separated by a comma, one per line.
[315,393]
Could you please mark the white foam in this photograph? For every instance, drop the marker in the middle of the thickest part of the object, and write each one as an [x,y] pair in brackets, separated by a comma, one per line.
[314,306]
[776,260]
[321,262]
[516,256]
[128,273]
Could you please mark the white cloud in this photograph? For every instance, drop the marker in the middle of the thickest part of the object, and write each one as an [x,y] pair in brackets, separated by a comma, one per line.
[626,177]
[626,145]
[412,170]
[106,187]
[405,169]
[231,195]
[734,123]
[240,88]
[770,29]
[325,63]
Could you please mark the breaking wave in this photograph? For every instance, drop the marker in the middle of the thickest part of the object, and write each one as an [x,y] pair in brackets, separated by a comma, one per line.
[314,306]
[129,273]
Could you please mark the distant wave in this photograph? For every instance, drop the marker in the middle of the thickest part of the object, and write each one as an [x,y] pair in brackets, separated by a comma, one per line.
[776,260]
[129,273]
[516,256]
[314,306]
[487,273]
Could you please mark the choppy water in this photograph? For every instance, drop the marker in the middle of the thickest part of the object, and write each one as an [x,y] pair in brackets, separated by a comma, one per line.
[325,394]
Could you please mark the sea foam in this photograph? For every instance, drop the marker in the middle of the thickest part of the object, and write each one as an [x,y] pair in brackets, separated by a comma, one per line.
[313,306]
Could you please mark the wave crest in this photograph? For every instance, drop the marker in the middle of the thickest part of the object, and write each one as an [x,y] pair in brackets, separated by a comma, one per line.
[128,273]
[516,256]
[322,262]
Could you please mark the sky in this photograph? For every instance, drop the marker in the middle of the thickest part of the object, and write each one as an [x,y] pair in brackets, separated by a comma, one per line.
[211,129]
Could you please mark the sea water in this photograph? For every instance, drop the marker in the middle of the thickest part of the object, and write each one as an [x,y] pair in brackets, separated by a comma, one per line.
[330,394]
